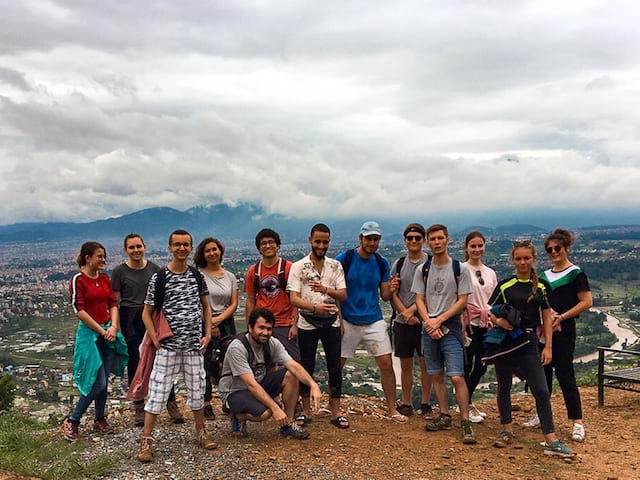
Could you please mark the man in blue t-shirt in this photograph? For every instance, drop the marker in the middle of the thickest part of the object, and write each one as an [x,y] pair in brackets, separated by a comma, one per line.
[367,277]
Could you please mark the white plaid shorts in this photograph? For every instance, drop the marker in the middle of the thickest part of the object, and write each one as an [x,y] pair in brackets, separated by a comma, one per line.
[166,366]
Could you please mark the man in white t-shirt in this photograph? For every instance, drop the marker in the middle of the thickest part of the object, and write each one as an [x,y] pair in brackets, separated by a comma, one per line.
[316,284]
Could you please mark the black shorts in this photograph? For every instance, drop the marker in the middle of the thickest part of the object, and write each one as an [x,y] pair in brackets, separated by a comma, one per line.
[243,401]
[407,340]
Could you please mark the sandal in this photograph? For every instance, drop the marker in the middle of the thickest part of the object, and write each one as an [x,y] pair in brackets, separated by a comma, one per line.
[399,418]
[340,422]
[302,420]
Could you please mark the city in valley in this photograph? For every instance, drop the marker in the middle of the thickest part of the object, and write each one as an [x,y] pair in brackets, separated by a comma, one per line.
[37,326]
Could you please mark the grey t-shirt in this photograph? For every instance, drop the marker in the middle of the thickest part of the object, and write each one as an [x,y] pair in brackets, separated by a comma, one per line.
[132,283]
[441,291]
[407,297]
[236,363]
[220,290]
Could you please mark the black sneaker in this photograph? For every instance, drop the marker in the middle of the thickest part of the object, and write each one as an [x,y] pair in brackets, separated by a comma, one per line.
[294,431]
[209,414]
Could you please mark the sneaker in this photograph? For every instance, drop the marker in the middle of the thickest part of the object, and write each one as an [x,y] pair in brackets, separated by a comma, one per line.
[70,430]
[138,414]
[238,427]
[503,439]
[558,449]
[100,425]
[294,431]
[145,454]
[441,422]
[468,437]
[475,417]
[174,412]
[533,422]
[205,442]
[404,409]
[477,412]
[578,432]
[426,411]
[209,414]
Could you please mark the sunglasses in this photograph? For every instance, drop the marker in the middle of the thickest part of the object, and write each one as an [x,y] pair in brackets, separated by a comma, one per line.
[413,238]
[479,277]
[522,243]
[555,248]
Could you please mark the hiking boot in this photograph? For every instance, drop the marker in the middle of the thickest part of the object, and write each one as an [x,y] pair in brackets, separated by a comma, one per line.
[503,439]
[441,422]
[205,442]
[294,431]
[426,411]
[100,425]
[533,422]
[70,430]
[558,449]
[209,414]
[404,409]
[174,412]
[239,427]
[578,432]
[468,437]
[138,414]
[145,454]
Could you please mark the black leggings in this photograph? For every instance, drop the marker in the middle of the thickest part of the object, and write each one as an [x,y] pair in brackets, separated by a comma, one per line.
[563,348]
[331,341]
[474,368]
[527,361]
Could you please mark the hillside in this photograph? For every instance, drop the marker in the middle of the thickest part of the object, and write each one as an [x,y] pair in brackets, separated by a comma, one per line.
[375,448]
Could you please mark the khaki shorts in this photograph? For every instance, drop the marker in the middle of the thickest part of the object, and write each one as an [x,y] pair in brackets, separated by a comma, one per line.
[372,336]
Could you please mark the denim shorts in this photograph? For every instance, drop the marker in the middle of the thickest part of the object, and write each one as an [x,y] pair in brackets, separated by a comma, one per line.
[445,354]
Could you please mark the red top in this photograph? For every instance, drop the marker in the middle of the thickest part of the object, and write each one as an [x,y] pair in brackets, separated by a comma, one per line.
[270,295]
[93,295]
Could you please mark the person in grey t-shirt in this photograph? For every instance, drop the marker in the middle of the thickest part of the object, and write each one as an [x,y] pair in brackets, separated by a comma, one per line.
[407,327]
[247,387]
[440,303]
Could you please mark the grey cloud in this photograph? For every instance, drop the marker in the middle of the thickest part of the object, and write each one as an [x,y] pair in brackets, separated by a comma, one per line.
[14,78]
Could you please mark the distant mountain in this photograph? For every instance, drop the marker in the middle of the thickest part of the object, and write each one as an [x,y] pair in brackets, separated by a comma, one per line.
[241,222]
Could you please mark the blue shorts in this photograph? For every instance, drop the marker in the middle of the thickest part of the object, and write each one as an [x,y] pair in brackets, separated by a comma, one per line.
[446,351]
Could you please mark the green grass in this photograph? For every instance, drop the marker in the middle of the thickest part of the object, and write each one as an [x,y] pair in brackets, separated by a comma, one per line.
[27,448]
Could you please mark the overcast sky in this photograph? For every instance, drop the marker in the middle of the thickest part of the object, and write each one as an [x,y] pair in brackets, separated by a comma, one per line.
[317,107]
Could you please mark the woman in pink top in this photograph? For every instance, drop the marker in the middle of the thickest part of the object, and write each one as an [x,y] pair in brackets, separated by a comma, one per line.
[476,315]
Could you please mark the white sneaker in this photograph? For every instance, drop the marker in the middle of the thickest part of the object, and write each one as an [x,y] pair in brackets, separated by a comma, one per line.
[578,432]
[474,417]
[478,412]
[533,422]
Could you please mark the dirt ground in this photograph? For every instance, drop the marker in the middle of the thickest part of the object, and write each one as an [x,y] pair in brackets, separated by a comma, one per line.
[377,448]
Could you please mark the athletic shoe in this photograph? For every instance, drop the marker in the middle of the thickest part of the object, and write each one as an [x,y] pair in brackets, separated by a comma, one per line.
[441,422]
[474,417]
[426,411]
[468,437]
[404,409]
[533,422]
[503,439]
[558,449]
[145,454]
[101,426]
[237,426]
[478,412]
[209,414]
[294,431]
[70,430]
[174,412]
[578,432]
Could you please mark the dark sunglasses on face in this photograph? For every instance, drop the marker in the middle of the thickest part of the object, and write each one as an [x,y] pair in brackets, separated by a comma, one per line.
[479,276]
[555,248]
[413,238]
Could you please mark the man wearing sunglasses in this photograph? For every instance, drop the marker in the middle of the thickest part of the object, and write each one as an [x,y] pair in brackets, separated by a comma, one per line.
[407,326]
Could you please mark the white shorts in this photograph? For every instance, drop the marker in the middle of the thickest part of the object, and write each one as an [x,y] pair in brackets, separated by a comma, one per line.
[166,367]
[373,336]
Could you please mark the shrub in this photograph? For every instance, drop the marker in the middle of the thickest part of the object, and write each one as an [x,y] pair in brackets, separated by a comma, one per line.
[7,392]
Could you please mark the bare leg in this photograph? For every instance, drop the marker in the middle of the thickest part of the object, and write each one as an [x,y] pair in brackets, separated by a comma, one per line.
[290,391]
[425,380]
[440,390]
[462,396]
[406,379]
[388,380]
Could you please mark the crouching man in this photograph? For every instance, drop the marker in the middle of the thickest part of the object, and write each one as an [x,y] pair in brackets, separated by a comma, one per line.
[249,382]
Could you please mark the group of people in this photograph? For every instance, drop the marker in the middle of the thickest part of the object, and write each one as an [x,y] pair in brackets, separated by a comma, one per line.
[454,317]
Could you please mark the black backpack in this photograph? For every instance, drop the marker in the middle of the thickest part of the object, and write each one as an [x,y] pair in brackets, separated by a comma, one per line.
[455,264]
[161,284]
[282,279]
[219,353]
[398,269]
[348,260]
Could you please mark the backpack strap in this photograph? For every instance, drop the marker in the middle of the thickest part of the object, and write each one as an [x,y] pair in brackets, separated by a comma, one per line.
[199,278]
[400,264]
[455,265]
[266,351]
[426,266]
[256,278]
[348,260]
[381,265]
[456,270]
[161,283]
[282,277]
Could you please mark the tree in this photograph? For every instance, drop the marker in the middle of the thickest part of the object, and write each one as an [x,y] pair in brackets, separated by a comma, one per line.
[7,392]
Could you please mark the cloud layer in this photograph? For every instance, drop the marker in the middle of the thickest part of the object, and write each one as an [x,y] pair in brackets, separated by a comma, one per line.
[317,108]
